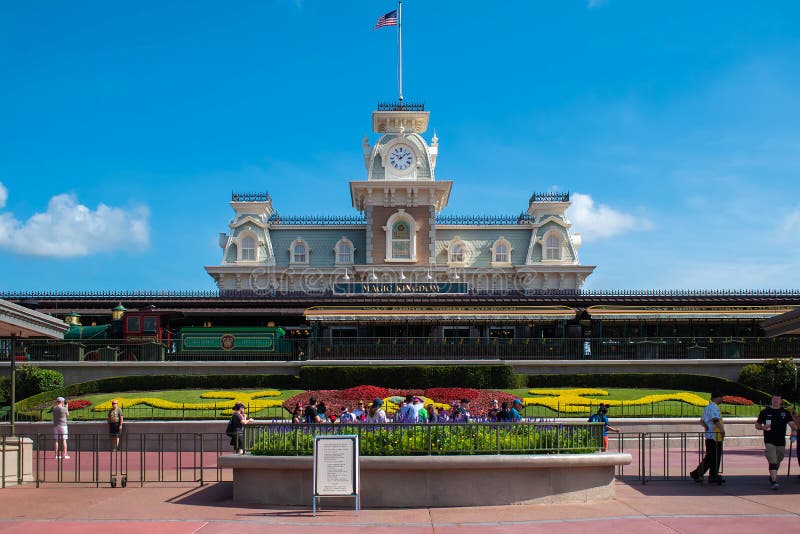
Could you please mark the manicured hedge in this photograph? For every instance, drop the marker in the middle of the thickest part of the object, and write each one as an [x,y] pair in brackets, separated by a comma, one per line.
[650,381]
[409,376]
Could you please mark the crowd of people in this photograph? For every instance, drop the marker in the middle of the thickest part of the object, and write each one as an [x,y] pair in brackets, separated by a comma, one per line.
[411,410]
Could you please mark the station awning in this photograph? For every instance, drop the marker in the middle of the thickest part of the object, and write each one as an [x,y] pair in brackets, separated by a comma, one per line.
[786,324]
[686,312]
[438,313]
[19,321]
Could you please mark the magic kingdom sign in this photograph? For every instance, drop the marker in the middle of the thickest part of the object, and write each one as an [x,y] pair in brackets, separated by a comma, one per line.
[395,288]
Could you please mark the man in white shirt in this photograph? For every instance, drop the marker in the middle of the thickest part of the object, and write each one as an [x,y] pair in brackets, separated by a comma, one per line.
[714,434]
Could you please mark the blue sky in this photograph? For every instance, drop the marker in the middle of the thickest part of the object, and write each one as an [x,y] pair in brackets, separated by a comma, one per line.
[124,127]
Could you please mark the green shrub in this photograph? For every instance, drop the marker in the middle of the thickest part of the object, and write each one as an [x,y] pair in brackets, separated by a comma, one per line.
[5,391]
[34,380]
[409,376]
[409,440]
[773,376]
[650,381]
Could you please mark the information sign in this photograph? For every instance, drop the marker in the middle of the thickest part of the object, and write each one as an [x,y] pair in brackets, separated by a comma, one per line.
[336,468]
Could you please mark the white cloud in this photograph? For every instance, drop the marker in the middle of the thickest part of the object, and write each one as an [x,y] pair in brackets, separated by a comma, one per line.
[599,221]
[791,223]
[3,195]
[70,229]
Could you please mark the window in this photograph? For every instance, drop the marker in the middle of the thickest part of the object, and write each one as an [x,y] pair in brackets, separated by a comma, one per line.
[344,250]
[501,253]
[456,253]
[248,249]
[552,249]
[150,325]
[401,241]
[133,324]
[299,251]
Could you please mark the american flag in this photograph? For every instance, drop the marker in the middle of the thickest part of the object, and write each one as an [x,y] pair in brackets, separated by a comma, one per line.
[389,19]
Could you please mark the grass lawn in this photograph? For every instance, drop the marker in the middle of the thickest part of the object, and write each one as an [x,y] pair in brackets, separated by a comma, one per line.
[672,408]
[142,411]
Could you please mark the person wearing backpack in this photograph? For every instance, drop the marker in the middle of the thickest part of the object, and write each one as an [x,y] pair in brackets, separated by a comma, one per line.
[601,417]
[114,424]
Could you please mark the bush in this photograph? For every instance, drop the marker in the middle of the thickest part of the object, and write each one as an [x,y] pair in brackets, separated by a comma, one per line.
[651,381]
[34,380]
[773,376]
[5,391]
[409,376]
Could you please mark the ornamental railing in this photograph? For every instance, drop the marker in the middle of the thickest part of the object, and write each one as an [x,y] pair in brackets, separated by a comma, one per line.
[484,220]
[409,349]
[549,197]
[316,220]
[250,197]
[233,294]
[401,106]
[403,439]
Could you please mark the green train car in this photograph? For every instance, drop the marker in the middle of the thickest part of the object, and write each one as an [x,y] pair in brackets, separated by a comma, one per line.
[221,340]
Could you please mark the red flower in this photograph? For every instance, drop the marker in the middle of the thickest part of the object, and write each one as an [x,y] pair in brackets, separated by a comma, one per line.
[449,395]
[77,404]
[365,393]
[732,399]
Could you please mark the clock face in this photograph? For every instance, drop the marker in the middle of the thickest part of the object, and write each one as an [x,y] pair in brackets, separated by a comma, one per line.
[401,157]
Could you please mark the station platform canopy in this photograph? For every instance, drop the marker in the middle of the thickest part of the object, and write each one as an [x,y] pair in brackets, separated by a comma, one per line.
[19,321]
[367,314]
[610,312]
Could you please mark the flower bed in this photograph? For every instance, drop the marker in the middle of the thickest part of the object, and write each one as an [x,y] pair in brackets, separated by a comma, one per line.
[480,400]
[577,401]
[252,401]
[739,401]
[78,404]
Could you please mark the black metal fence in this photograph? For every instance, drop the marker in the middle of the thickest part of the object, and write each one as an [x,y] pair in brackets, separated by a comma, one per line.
[416,348]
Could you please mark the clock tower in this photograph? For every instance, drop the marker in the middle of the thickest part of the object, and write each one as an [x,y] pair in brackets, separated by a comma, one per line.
[400,197]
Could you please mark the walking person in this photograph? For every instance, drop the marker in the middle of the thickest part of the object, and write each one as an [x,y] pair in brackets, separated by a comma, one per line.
[114,424]
[602,417]
[235,429]
[711,420]
[60,431]
[796,419]
[773,421]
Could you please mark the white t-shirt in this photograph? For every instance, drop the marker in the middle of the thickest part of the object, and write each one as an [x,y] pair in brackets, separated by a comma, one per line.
[378,418]
[710,413]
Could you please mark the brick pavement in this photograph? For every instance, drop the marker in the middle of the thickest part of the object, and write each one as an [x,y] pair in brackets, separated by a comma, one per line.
[744,504]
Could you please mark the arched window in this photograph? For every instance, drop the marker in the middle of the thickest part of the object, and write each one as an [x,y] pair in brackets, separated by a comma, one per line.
[248,249]
[401,241]
[344,250]
[299,252]
[552,249]
[501,252]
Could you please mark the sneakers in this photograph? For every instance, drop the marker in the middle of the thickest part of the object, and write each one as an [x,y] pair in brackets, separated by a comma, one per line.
[696,477]
[716,480]
[774,485]
[58,456]
[66,457]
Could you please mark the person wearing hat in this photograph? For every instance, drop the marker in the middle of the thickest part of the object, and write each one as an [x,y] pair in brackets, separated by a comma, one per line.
[711,421]
[602,417]
[60,432]
[114,419]
[514,415]
[376,415]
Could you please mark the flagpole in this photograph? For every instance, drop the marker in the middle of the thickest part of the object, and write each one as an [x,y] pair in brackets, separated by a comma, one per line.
[400,49]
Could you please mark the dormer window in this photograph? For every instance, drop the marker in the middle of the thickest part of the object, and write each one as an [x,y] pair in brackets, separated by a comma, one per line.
[248,249]
[456,251]
[344,251]
[299,252]
[552,248]
[501,253]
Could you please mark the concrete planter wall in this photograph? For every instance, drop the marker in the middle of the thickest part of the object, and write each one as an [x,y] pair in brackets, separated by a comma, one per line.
[435,481]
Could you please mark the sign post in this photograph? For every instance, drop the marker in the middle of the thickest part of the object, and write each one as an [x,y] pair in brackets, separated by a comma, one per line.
[336,469]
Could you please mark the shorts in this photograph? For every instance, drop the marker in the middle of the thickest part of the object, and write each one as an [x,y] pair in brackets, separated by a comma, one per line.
[60,432]
[113,429]
[774,453]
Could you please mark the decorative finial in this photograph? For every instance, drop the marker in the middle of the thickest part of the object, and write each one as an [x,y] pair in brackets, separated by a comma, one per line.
[434,139]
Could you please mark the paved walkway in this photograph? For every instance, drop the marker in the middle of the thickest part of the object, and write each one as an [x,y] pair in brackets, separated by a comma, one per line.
[744,504]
